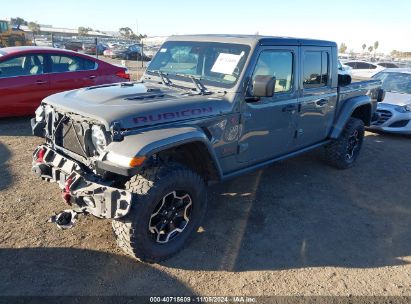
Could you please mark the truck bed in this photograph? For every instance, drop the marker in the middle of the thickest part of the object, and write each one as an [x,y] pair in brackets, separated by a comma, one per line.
[358,87]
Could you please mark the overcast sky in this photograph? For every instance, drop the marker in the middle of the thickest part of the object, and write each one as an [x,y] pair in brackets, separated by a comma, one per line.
[349,21]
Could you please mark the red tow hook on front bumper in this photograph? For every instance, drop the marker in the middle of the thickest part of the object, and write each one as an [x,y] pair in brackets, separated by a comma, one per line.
[66,192]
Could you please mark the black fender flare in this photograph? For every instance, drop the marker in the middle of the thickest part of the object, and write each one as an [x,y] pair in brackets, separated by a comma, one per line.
[149,142]
[347,110]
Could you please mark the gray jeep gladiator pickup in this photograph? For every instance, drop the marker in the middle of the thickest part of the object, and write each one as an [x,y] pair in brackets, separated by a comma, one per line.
[208,108]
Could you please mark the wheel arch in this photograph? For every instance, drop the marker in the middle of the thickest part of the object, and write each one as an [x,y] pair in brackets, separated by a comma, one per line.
[358,107]
[187,145]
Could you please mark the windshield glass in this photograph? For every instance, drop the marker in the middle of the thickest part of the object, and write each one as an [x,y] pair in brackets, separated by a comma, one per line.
[395,82]
[217,64]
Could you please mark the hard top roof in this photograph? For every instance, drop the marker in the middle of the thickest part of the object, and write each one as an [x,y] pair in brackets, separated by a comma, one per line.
[253,40]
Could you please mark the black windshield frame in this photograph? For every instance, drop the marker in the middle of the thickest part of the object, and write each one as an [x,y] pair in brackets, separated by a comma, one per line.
[200,48]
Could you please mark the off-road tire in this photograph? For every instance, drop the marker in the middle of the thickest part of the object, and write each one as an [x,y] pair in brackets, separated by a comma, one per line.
[148,188]
[336,151]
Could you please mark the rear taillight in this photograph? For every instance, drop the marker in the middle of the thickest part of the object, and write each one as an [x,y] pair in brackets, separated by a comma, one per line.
[123,74]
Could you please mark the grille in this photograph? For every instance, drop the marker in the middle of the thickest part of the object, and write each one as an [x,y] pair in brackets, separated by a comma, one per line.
[384,116]
[73,138]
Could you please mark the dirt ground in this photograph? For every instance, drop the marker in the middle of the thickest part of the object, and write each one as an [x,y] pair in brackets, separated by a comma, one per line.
[298,227]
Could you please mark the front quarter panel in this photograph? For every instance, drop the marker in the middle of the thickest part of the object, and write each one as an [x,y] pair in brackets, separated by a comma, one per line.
[147,143]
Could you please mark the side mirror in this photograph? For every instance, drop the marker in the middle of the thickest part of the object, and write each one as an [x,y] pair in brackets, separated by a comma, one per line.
[263,86]
[344,80]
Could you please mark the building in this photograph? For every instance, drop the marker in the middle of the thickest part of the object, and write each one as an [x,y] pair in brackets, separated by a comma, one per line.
[65,32]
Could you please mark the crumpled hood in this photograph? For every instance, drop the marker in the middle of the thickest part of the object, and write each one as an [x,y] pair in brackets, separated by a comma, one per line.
[397,99]
[137,105]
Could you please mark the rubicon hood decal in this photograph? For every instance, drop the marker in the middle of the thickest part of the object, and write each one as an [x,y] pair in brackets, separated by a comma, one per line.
[172,115]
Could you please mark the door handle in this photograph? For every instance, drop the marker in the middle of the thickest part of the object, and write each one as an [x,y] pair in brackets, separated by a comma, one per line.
[321,102]
[290,108]
[39,82]
[92,76]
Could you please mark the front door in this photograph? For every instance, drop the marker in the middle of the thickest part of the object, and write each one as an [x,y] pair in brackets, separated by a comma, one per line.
[269,123]
[23,84]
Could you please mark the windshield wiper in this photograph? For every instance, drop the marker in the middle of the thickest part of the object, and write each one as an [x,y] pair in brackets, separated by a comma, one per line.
[200,87]
[163,76]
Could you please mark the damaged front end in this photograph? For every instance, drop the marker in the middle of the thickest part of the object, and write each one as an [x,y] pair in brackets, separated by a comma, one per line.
[81,186]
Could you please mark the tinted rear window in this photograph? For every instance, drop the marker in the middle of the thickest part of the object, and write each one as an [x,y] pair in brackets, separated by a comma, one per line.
[315,69]
[66,63]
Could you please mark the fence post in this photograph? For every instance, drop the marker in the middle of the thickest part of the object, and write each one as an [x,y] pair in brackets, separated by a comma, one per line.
[95,41]
[142,54]
[52,40]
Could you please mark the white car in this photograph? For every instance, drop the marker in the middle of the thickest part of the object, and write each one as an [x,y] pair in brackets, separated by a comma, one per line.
[395,110]
[344,69]
[363,69]
[389,65]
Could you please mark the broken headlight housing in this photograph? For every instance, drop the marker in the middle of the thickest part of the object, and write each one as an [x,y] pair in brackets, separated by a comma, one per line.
[99,139]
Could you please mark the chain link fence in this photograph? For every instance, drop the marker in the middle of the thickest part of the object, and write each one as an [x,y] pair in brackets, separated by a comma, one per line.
[132,54]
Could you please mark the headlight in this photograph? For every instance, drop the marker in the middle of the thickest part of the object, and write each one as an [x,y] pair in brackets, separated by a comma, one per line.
[98,138]
[404,109]
[40,114]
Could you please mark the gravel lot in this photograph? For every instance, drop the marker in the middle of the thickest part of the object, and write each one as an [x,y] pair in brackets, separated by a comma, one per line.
[298,227]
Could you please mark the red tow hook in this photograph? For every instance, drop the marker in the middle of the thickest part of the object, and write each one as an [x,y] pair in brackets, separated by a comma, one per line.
[40,155]
[66,192]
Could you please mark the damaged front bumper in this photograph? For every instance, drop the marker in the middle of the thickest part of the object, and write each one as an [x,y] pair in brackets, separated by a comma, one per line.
[86,190]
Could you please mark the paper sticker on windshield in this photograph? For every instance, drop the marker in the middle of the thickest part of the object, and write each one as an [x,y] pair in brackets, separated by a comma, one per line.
[226,63]
[163,50]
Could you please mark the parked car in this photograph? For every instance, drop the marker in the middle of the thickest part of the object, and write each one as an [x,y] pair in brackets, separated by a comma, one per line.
[89,48]
[389,65]
[363,69]
[344,69]
[131,52]
[73,45]
[29,74]
[101,47]
[210,108]
[395,110]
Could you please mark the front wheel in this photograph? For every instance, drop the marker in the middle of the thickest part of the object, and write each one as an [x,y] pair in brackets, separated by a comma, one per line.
[168,207]
[342,152]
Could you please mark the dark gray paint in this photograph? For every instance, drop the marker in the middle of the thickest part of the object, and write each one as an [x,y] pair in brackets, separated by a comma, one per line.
[240,135]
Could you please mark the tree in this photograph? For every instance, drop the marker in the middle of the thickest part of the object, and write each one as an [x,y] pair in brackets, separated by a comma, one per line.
[376,44]
[126,32]
[370,48]
[83,31]
[394,53]
[18,21]
[35,28]
[343,48]
[363,47]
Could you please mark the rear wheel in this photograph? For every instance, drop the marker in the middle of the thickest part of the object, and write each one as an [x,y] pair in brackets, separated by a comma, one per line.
[342,152]
[168,207]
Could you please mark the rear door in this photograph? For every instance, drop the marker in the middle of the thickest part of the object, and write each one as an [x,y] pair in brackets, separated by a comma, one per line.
[318,98]
[70,72]
[23,84]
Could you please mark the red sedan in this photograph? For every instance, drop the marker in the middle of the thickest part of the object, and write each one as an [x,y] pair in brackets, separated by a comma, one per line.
[28,74]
